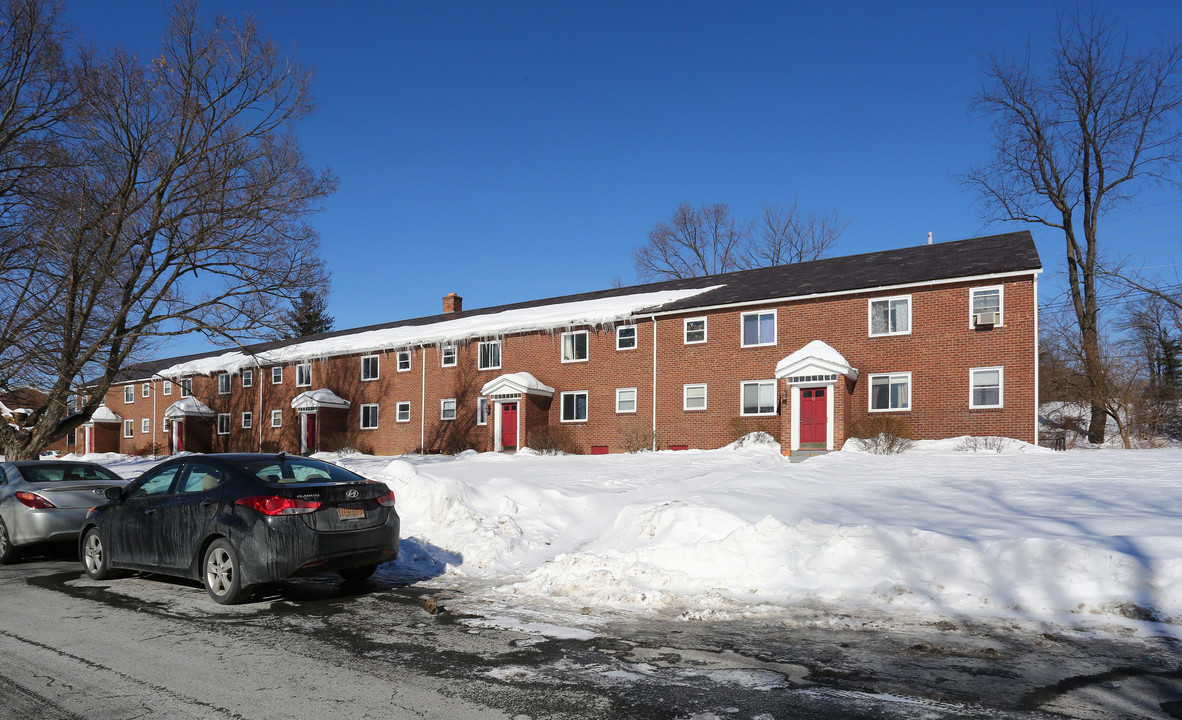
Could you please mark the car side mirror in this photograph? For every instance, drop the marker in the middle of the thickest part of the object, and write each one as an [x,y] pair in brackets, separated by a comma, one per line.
[113,493]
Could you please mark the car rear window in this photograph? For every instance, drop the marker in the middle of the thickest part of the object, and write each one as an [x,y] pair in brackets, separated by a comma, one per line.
[298,470]
[45,472]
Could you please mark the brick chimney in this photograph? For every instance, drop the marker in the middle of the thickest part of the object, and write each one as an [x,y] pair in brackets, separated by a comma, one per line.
[452,303]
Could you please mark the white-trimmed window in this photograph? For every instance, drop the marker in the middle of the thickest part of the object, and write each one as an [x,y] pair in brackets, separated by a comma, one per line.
[693,396]
[369,368]
[986,384]
[404,361]
[167,387]
[402,412]
[247,420]
[759,397]
[277,375]
[482,411]
[988,302]
[146,390]
[146,426]
[695,330]
[224,384]
[128,394]
[304,375]
[890,391]
[186,387]
[276,418]
[625,400]
[574,346]
[247,378]
[447,409]
[448,357]
[369,416]
[626,337]
[165,425]
[890,316]
[489,355]
[759,328]
[223,423]
[574,406]
[128,428]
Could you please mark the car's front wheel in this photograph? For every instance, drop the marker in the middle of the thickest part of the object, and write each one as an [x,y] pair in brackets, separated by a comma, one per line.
[7,550]
[222,573]
[357,574]
[94,555]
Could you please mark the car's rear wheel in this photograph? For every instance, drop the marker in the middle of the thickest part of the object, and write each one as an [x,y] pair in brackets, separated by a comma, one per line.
[7,549]
[94,555]
[357,574]
[222,573]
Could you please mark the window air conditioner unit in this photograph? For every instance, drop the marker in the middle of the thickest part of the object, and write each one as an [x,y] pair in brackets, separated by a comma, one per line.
[981,319]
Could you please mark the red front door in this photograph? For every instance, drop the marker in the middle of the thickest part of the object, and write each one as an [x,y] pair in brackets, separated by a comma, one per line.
[310,433]
[813,415]
[178,433]
[508,426]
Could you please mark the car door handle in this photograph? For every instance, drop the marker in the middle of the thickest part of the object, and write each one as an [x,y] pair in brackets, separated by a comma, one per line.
[150,511]
[207,503]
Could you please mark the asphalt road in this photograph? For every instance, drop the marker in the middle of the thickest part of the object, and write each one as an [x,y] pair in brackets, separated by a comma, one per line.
[147,646]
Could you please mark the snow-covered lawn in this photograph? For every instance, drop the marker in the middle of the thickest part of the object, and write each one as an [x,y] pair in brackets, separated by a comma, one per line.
[1023,533]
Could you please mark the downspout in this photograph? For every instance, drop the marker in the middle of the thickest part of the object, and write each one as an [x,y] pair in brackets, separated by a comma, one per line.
[423,401]
[654,393]
[258,367]
[155,392]
[1036,408]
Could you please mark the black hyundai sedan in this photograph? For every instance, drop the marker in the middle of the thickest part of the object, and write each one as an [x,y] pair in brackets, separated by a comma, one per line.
[235,521]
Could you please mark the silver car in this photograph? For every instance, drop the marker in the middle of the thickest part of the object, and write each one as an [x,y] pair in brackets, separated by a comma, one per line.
[44,500]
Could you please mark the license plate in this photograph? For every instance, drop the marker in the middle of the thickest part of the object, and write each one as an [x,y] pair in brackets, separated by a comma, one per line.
[350,512]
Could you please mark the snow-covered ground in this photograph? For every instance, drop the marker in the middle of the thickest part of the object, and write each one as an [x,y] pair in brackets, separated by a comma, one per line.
[1021,533]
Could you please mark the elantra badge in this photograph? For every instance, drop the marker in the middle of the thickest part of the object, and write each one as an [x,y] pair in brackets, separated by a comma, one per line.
[351,494]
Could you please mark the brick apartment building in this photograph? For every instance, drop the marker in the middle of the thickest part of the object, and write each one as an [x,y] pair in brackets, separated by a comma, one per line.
[942,336]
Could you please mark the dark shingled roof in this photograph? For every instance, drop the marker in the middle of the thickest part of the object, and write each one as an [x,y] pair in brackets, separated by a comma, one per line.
[995,254]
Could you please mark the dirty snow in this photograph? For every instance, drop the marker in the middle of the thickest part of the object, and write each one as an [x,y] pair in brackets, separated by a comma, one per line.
[1007,530]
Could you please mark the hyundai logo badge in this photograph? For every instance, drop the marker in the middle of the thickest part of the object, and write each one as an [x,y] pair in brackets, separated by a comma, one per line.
[352,494]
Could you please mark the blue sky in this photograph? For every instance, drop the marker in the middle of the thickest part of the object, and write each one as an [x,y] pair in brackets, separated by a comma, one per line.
[508,151]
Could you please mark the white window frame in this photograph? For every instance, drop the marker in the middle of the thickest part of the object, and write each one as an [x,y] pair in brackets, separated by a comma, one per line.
[247,378]
[455,353]
[165,425]
[247,420]
[186,387]
[223,383]
[443,405]
[377,368]
[304,369]
[128,394]
[742,406]
[146,390]
[145,426]
[892,377]
[586,406]
[634,401]
[226,418]
[167,387]
[1001,303]
[277,375]
[685,397]
[374,407]
[276,418]
[888,301]
[586,345]
[1001,387]
[129,428]
[480,355]
[399,409]
[482,411]
[407,354]
[685,331]
[758,314]
[635,337]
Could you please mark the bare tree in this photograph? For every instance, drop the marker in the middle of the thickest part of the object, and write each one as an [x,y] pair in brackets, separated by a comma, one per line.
[182,208]
[785,234]
[1075,142]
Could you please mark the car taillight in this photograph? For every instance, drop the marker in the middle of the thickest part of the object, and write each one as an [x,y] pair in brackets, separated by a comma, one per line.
[276,505]
[34,501]
[386,500]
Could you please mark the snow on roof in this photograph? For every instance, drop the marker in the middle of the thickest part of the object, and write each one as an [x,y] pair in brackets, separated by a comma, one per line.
[105,414]
[319,398]
[599,311]
[520,382]
[815,358]
[186,407]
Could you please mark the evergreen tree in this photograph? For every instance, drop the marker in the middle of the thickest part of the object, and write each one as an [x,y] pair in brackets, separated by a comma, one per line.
[308,315]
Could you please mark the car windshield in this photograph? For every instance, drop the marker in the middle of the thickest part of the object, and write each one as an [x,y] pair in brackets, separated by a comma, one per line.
[44,472]
[289,470]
